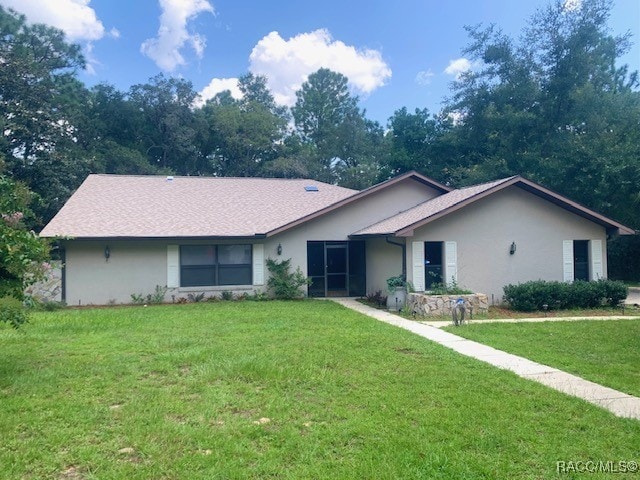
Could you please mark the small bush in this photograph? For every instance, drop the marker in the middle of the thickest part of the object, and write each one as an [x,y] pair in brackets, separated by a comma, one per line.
[137,298]
[377,298]
[541,295]
[284,284]
[157,297]
[195,297]
[13,312]
[226,295]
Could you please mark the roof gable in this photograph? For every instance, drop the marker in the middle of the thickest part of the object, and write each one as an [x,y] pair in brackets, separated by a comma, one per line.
[404,223]
[363,194]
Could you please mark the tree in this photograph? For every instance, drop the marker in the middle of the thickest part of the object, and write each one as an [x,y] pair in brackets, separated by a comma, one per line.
[166,127]
[554,108]
[39,101]
[22,252]
[242,136]
[327,117]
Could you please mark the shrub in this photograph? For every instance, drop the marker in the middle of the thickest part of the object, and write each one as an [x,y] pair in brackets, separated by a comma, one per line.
[13,312]
[540,294]
[377,298]
[396,282]
[195,297]
[226,295]
[285,284]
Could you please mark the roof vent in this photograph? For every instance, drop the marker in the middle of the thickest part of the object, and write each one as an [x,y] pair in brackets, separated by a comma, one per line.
[169,178]
[311,188]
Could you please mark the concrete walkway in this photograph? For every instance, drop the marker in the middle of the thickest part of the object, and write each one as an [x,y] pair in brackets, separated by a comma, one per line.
[633,298]
[618,403]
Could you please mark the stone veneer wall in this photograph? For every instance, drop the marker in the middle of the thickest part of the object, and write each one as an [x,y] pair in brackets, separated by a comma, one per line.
[441,305]
[49,289]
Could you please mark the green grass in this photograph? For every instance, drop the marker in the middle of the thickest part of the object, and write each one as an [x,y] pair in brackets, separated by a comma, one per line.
[605,352]
[185,391]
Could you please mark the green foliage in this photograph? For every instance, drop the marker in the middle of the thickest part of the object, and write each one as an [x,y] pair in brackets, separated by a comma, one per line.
[137,298]
[154,298]
[13,312]
[545,295]
[22,254]
[377,299]
[396,282]
[226,295]
[157,296]
[553,107]
[284,284]
[623,259]
[448,289]
[196,297]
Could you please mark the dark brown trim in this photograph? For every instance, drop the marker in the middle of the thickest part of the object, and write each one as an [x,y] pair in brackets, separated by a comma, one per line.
[360,195]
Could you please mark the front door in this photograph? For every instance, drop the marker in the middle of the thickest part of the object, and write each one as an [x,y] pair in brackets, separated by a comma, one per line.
[336,269]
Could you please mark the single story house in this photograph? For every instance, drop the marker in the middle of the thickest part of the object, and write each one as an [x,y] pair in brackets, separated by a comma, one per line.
[124,235]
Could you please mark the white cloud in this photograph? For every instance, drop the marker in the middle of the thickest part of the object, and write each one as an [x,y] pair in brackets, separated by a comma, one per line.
[571,5]
[114,33]
[424,77]
[173,35]
[288,63]
[75,17]
[457,67]
[218,85]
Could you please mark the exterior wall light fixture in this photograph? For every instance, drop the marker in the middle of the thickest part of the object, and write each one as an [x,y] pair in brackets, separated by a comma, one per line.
[279,249]
[512,249]
[107,253]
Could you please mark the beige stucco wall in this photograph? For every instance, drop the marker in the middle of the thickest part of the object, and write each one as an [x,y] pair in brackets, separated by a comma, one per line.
[134,267]
[484,232]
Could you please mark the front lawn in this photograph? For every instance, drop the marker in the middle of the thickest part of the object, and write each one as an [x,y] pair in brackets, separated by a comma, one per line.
[605,352]
[282,390]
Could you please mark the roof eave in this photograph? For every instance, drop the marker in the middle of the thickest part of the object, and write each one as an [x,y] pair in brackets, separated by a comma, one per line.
[162,237]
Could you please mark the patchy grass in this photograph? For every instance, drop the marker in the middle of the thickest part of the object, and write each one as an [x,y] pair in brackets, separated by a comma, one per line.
[292,390]
[605,352]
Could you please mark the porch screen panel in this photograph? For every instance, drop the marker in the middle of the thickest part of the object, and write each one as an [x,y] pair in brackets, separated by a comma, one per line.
[357,269]
[316,268]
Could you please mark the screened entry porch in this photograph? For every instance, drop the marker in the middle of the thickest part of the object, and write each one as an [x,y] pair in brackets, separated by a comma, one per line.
[336,268]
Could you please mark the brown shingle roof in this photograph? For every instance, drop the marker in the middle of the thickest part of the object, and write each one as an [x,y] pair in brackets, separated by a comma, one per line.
[153,206]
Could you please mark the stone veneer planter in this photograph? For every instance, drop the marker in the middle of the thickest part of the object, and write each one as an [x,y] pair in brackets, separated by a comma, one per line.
[49,289]
[426,305]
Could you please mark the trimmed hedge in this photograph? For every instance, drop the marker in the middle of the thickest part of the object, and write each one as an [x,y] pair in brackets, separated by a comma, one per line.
[531,296]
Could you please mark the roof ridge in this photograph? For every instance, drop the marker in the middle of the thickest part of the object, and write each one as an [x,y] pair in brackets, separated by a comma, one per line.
[208,177]
[492,182]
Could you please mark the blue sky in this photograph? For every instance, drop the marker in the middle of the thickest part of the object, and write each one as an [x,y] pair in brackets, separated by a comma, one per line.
[401,54]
